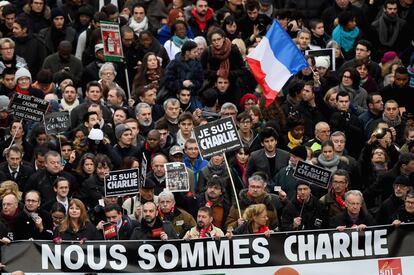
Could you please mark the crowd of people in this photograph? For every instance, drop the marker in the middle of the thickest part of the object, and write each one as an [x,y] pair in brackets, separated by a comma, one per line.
[185,65]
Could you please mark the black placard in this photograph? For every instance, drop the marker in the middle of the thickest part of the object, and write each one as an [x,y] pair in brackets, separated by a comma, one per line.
[217,137]
[312,174]
[28,107]
[121,182]
[56,123]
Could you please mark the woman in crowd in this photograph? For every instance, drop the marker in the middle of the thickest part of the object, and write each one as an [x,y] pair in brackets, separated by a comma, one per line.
[165,33]
[255,221]
[239,166]
[8,57]
[149,71]
[367,82]
[346,33]
[86,167]
[58,213]
[10,187]
[257,118]
[339,57]
[76,226]
[229,27]
[327,159]
[222,59]
[329,100]
[350,83]
[173,46]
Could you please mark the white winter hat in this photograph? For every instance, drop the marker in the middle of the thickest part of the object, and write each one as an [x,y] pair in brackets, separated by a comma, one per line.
[23,72]
[322,61]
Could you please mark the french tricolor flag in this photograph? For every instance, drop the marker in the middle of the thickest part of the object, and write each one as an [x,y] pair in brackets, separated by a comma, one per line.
[274,60]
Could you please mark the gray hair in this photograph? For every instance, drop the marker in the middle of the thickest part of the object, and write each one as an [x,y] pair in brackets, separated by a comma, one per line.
[200,40]
[166,194]
[107,66]
[355,193]
[119,92]
[338,133]
[257,178]
[141,105]
[173,101]
[227,105]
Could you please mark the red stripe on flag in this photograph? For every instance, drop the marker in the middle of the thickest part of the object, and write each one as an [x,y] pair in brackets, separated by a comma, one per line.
[259,75]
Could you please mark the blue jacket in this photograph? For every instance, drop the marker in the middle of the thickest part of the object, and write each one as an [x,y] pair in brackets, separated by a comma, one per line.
[196,168]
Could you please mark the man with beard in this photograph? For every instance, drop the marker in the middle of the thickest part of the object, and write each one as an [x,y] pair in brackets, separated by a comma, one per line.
[389,31]
[305,212]
[205,227]
[152,227]
[64,62]
[69,99]
[169,211]
[214,198]
[133,205]
[402,186]
[202,18]
[144,116]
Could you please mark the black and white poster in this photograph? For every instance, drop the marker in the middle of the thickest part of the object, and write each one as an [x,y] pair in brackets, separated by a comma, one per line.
[176,177]
[329,53]
[56,123]
[122,182]
[28,107]
[217,137]
[312,174]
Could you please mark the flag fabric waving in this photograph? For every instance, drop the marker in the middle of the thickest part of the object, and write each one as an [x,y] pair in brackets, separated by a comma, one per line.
[274,61]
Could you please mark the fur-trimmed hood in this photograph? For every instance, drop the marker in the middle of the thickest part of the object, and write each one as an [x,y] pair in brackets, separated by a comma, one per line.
[46,13]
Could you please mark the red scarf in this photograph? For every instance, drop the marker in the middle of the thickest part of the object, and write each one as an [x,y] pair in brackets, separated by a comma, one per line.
[162,214]
[340,201]
[205,231]
[262,229]
[243,168]
[223,54]
[22,92]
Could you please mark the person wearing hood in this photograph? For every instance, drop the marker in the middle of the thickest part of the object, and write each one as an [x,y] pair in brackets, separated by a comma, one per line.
[64,62]
[202,18]
[185,71]
[57,32]
[37,14]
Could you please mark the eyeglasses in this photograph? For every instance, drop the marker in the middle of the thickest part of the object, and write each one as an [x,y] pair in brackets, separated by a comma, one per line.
[347,76]
[9,48]
[409,202]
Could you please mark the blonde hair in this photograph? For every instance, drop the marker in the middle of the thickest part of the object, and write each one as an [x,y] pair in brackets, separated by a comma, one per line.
[10,187]
[253,211]
[240,44]
[329,93]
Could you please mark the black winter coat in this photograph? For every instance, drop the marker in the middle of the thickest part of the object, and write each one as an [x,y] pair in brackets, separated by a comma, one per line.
[24,226]
[87,232]
[343,219]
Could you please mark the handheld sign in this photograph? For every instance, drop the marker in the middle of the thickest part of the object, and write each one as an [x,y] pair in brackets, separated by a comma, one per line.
[110,231]
[143,174]
[121,182]
[312,174]
[329,53]
[28,107]
[176,177]
[111,38]
[56,123]
[217,137]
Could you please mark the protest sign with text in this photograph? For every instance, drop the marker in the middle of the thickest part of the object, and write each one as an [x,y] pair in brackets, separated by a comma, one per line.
[28,107]
[312,174]
[56,123]
[122,182]
[111,38]
[217,137]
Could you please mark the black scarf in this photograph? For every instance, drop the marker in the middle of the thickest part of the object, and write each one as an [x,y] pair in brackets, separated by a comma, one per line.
[388,29]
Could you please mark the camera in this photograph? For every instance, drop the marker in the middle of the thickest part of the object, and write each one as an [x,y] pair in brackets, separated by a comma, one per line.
[380,133]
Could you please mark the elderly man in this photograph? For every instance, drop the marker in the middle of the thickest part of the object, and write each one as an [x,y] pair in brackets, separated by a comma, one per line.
[10,209]
[204,227]
[355,215]
[172,111]
[157,175]
[322,132]
[254,194]
[179,218]
[152,227]
[144,116]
